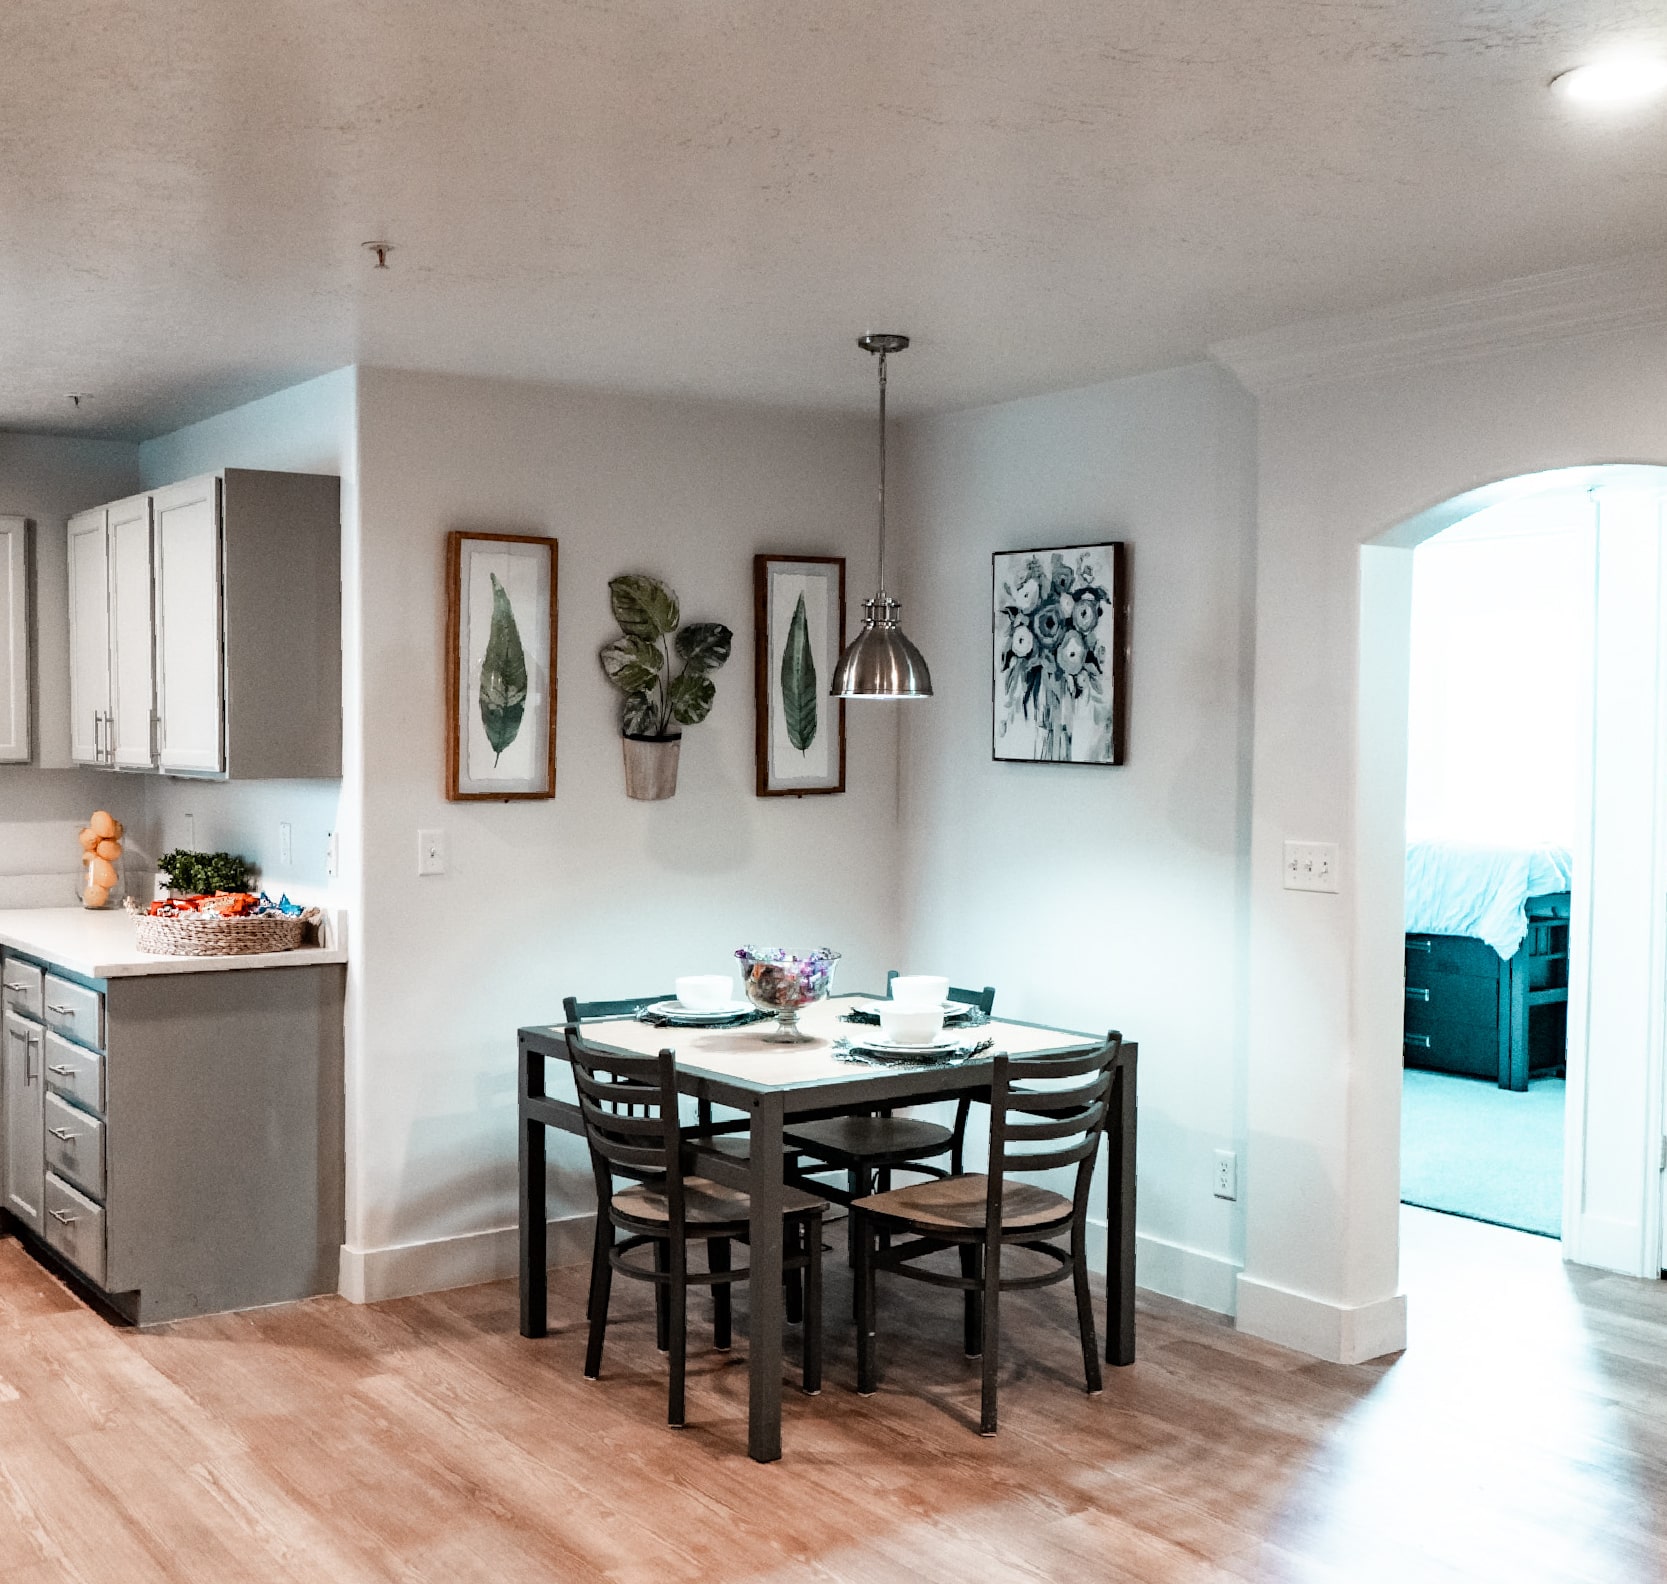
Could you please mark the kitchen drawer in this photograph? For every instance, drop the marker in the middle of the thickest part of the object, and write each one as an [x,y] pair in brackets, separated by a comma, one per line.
[20,982]
[75,1011]
[75,1145]
[76,1074]
[75,1227]
[1451,998]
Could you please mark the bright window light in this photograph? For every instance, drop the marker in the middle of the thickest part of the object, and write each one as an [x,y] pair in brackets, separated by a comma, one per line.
[1623,80]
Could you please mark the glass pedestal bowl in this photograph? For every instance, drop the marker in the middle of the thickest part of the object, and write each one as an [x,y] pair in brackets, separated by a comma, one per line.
[775,980]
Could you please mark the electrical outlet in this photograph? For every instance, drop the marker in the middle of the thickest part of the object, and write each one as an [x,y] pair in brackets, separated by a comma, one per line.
[1310,866]
[286,848]
[1227,1175]
[431,852]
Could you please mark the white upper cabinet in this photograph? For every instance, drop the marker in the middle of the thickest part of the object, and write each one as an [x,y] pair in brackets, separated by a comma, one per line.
[132,742]
[205,628]
[89,639]
[189,660]
[14,641]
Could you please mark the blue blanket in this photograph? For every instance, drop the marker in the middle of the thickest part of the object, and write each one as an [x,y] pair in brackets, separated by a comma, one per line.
[1466,888]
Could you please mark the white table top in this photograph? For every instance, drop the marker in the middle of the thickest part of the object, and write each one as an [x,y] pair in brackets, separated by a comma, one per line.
[746,1054]
[99,944]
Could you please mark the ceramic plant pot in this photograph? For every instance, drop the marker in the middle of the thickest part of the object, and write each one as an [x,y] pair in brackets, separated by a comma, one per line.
[651,766]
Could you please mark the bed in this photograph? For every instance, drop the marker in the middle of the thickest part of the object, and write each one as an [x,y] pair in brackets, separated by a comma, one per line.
[1487,959]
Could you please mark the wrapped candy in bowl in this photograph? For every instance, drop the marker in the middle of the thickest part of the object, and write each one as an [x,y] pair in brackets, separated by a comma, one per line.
[778,981]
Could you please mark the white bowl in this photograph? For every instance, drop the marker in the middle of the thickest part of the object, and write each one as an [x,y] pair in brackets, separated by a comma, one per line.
[920,990]
[705,992]
[904,1025]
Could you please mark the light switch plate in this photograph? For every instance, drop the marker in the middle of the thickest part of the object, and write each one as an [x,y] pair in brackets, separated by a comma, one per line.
[431,852]
[1310,866]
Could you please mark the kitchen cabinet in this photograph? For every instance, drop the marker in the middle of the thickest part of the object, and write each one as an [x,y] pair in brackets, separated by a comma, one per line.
[22,1093]
[173,1127]
[206,628]
[89,637]
[14,641]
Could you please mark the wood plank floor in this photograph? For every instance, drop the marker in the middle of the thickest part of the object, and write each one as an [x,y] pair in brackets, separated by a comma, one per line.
[1523,1437]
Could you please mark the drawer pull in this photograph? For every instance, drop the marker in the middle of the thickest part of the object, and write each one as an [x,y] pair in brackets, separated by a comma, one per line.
[63,1070]
[63,1216]
[66,1134]
[1413,994]
[61,1011]
[18,989]
[1418,1041]
[1418,945]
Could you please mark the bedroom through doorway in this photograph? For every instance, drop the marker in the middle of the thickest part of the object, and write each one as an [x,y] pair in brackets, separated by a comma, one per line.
[1499,766]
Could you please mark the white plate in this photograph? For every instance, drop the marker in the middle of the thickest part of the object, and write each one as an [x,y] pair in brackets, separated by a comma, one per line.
[885,1047]
[952,1010]
[676,1012]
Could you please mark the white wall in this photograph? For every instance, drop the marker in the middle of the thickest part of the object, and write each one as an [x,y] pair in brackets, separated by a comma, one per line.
[1340,464]
[309,428]
[48,479]
[1089,895]
[590,893]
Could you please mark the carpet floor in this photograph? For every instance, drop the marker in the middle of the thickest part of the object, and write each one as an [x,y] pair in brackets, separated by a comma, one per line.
[1470,1148]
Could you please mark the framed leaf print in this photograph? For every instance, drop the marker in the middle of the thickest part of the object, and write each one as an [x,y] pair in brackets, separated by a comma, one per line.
[799,632]
[500,666]
[1059,673]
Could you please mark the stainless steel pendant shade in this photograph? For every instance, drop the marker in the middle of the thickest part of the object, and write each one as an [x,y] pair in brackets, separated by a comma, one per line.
[881,663]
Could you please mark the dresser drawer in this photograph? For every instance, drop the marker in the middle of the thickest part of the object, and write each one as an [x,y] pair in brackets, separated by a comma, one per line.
[20,985]
[75,1145]
[75,1011]
[1450,998]
[1453,1048]
[75,1073]
[75,1227]
[1433,956]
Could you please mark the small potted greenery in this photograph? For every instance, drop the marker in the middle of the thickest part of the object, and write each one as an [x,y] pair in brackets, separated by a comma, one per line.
[201,873]
[656,702]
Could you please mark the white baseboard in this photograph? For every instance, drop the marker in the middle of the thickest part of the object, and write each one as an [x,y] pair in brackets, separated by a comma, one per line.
[1338,1333]
[1607,1244]
[1207,1281]
[406,1269]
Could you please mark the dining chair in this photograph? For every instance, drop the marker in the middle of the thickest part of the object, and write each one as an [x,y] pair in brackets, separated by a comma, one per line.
[868,1146]
[985,1214]
[629,1109]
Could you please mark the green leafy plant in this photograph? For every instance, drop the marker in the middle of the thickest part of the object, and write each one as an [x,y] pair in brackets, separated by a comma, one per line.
[202,874]
[503,675]
[798,681]
[640,664]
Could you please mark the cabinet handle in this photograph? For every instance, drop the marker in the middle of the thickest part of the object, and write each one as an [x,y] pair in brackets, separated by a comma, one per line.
[59,1010]
[98,737]
[66,1134]
[63,1216]
[16,988]
[29,1042]
[1414,944]
[1417,1041]
[109,737]
[1415,994]
[62,1071]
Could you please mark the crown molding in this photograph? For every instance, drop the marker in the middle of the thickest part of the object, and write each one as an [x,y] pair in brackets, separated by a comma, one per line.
[1533,310]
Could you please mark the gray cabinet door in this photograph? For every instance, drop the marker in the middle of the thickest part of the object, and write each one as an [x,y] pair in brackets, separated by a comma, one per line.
[21,1091]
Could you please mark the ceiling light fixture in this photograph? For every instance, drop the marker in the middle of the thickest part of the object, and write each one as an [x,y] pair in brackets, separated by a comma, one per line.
[881,663]
[1619,80]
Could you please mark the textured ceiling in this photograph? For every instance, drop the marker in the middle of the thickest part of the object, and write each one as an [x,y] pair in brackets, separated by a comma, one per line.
[715,197]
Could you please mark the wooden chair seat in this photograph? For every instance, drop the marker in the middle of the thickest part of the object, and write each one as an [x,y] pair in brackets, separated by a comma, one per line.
[734,1146]
[959,1202]
[706,1203]
[873,1141]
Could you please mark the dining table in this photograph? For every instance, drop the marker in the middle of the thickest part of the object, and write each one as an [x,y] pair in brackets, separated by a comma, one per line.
[770,1085]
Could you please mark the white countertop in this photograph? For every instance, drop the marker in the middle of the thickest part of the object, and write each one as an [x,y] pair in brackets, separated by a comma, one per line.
[99,944]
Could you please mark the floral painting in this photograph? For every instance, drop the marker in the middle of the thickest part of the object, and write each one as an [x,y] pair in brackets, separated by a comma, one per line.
[1058,684]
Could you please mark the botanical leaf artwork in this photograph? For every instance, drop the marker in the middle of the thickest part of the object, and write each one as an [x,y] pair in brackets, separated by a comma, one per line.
[1053,695]
[640,663]
[798,681]
[503,675]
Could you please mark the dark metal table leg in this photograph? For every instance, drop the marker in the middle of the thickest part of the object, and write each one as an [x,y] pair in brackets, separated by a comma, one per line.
[535,1297]
[764,1282]
[1120,1188]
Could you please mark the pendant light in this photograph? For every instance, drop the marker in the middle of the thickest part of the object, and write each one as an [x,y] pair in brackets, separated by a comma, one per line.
[881,663]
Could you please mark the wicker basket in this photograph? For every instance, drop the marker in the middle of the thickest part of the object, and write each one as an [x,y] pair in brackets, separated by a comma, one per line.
[210,935]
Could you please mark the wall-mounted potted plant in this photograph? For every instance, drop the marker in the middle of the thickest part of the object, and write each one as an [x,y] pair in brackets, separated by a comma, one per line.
[640,664]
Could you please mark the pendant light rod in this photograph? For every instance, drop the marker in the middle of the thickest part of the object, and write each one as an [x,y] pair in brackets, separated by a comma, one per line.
[883,346]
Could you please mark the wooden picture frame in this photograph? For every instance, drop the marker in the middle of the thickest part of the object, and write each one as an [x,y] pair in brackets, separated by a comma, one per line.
[1059,675]
[782,584]
[500,618]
